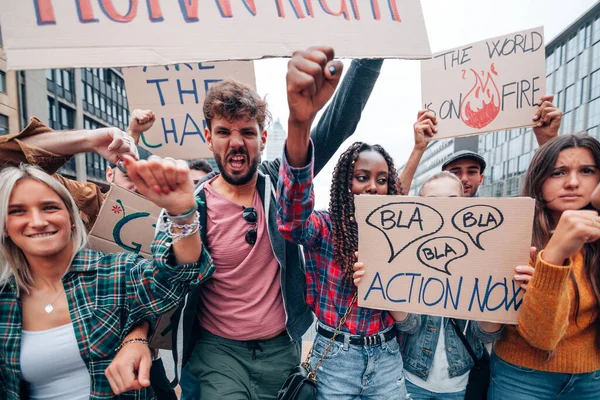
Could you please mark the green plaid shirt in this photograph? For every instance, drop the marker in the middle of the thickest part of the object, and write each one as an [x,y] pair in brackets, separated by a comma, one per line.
[107,294]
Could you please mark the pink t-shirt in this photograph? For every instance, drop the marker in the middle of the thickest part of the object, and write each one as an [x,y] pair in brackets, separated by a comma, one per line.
[242,300]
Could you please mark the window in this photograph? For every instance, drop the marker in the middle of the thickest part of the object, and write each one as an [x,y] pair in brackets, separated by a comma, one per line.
[2,82]
[579,119]
[596,56]
[594,113]
[60,116]
[581,44]
[3,124]
[550,63]
[569,99]
[595,85]
[572,48]
[570,72]
[565,125]
[596,30]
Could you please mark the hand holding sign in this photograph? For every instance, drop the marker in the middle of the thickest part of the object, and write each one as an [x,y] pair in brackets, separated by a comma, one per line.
[165,182]
[426,125]
[548,118]
[311,79]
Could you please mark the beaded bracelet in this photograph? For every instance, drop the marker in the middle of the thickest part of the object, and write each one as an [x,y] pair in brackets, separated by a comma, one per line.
[183,216]
[136,340]
[166,226]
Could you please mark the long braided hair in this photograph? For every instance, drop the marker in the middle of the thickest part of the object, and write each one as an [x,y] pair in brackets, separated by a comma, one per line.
[341,204]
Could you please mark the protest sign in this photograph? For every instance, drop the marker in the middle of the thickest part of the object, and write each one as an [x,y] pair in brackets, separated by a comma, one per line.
[176,94]
[452,257]
[126,223]
[109,33]
[486,86]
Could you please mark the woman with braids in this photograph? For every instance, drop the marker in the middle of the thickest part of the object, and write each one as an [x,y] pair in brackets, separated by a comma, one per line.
[364,361]
[554,351]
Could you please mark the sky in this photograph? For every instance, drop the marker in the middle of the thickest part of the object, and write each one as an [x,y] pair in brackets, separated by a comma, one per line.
[391,111]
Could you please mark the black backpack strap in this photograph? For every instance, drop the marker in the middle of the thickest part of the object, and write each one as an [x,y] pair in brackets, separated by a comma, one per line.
[464,340]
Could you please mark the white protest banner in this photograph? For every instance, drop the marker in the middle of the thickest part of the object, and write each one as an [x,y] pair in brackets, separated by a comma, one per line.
[108,33]
[126,223]
[486,86]
[451,257]
[176,94]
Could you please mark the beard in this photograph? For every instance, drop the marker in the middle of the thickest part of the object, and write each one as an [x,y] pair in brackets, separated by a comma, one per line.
[238,180]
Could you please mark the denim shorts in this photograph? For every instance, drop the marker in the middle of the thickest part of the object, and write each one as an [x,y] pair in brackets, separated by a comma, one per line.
[367,372]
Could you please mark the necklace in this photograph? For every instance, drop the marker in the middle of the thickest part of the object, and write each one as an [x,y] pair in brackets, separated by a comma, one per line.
[49,307]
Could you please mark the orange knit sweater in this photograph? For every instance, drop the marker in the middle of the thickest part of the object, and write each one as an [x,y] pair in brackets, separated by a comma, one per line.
[547,322]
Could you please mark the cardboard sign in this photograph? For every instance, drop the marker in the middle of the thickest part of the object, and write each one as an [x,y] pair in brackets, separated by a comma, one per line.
[452,257]
[112,33]
[486,86]
[176,94]
[126,223]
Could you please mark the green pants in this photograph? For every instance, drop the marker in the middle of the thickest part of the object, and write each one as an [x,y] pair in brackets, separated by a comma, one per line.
[242,370]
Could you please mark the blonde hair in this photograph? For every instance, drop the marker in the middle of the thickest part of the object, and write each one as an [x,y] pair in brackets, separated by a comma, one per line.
[12,260]
[440,175]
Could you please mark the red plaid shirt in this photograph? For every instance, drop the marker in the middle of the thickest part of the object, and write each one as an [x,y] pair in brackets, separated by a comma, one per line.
[328,294]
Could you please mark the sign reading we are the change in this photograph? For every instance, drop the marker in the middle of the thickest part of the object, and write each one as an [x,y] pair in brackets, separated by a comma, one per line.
[126,223]
[451,257]
[114,33]
[486,86]
[176,94]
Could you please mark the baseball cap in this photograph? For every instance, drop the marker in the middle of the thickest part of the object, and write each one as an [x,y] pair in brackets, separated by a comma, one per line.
[465,154]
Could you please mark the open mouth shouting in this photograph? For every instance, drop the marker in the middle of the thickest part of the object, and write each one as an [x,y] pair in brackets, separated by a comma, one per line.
[237,162]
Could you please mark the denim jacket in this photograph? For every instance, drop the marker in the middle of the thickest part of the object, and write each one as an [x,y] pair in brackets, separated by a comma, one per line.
[419,344]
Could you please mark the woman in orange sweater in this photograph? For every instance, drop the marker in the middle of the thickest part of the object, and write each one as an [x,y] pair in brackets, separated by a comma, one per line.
[554,351]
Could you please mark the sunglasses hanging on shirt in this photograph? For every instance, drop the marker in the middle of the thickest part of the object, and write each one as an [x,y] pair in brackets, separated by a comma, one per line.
[250,216]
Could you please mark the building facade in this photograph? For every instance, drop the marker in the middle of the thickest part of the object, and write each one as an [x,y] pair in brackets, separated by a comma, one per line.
[86,98]
[275,141]
[573,76]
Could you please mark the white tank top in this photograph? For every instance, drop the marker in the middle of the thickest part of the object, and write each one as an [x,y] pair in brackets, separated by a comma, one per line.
[51,365]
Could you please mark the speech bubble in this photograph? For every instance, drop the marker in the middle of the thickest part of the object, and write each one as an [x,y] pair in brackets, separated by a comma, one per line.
[476,220]
[403,223]
[437,253]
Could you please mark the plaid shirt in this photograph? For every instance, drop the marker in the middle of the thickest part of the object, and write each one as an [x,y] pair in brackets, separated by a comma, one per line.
[107,295]
[328,294]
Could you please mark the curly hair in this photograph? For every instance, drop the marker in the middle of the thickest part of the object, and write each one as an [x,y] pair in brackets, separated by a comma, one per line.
[232,100]
[341,204]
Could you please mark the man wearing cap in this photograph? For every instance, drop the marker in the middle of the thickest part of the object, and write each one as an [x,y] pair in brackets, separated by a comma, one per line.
[469,166]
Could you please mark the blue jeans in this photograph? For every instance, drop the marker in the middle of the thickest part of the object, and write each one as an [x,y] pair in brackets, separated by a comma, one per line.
[190,386]
[359,372]
[510,381]
[418,393]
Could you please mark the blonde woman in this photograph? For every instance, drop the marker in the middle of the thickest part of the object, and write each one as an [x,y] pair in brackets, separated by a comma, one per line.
[64,309]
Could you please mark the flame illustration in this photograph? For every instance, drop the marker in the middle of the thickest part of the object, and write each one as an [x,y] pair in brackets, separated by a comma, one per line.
[481,105]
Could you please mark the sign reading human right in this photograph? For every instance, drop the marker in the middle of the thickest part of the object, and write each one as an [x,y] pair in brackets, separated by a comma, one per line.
[450,257]
[486,86]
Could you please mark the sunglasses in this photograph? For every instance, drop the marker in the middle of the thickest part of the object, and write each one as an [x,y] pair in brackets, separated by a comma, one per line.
[251,217]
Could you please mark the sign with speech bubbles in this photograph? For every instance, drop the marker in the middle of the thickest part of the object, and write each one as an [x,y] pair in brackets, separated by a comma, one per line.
[111,33]
[451,257]
[125,223]
[176,94]
[486,86]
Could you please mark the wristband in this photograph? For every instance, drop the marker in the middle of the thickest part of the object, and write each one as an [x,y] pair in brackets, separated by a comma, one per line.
[137,340]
